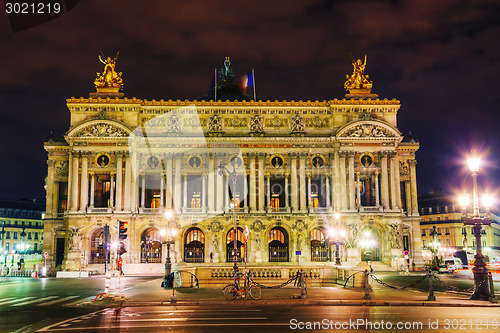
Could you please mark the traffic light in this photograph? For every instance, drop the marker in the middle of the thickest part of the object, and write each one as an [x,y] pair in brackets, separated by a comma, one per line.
[122,233]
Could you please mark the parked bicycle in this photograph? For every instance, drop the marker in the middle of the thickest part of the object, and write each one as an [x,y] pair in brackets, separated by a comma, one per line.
[231,291]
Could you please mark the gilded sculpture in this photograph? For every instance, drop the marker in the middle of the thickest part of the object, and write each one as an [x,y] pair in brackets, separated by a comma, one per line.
[109,78]
[358,79]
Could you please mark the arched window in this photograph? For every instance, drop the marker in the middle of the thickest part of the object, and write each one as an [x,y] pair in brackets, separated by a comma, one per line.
[319,246]
[194,245]
[278,245]
[230,245]
[97,252]
[151,246]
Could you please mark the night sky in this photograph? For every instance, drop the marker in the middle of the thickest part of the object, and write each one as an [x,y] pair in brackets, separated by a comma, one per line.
[441,59]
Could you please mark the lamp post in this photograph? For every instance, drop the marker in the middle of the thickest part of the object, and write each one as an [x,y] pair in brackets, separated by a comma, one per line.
[338,234]
[479,270]
[368,243]
[434,248]
[169,234]
[233,175]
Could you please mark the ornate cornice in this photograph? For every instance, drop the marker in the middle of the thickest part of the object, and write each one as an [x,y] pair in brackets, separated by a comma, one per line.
[177,103]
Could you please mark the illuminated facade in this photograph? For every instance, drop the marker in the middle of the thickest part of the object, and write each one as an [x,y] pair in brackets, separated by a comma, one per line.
[21,232]
[298,163]
[442,212]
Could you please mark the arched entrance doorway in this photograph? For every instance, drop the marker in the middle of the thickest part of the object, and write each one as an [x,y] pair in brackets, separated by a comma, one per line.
[370,244]
[278,245]
[151,246]
[319,246]
[194,245]
[97,251]
[230,245]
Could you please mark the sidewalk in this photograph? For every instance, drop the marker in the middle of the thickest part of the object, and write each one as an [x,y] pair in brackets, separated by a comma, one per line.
[150,294]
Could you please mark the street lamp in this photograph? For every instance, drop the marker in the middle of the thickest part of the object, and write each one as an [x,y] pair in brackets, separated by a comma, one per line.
[476,221]
[338,234]
[168,235]
[434,248]
[368,243]
[233,175]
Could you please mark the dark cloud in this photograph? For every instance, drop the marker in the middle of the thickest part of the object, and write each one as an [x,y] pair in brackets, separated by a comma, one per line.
[440,58]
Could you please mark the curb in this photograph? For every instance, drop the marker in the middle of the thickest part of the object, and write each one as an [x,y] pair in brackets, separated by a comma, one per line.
[289,302]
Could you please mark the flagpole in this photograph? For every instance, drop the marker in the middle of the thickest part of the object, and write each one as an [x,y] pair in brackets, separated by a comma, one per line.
[215,86]
[253,75]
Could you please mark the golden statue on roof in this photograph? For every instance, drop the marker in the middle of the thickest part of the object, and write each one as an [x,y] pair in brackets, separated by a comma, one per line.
[358,81]
[109,80]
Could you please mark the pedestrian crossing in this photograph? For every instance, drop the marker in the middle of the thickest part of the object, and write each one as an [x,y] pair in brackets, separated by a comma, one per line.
[40,301]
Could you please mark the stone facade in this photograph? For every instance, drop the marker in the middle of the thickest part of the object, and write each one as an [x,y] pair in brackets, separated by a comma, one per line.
[295,164]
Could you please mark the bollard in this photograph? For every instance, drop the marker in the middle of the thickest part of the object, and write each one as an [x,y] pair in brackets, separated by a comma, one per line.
[492,299]
[107,282]
[303,291]
[367,286]
[431,296]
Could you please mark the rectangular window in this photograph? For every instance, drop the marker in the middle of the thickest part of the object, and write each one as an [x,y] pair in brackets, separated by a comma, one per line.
[7,235]
[29,235]
[464,231]
[423,232]
[446,231]
[36,235]
[423,244]
[15,234]
[29,223]
[438,218]
[439,231]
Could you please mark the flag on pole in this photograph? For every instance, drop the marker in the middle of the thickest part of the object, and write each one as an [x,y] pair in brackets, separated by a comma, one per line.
[212,91]
[248,80]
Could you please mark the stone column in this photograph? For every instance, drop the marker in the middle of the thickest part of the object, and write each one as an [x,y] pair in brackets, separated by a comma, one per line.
[128,185]
[295,186]
[358,189]
[177,183]
[385,181]
[228,185]
[55,199]
[204,193]
[352,201]
[252,184]
[413,186]
[50,189]
[343,181]
[398,182]
[245,194]
[211,184]
[261,184]
[408,198]
[268,191]
[302,183]
[286,192]
[162,190]
[74,183]
[377,192]
[394,204]
[143,191]
[84,184]
[169,181]
[185,194]
[220,186]
[327,180]
[92,190]
[112,191]
[119,183]
[309,192]
[70,181]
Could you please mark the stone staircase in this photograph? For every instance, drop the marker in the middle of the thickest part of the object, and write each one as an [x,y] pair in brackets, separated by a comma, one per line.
[379,266]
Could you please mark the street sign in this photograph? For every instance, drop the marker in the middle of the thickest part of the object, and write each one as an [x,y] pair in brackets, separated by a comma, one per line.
[245,233]
[406,253]
[46,255]
[298,253]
